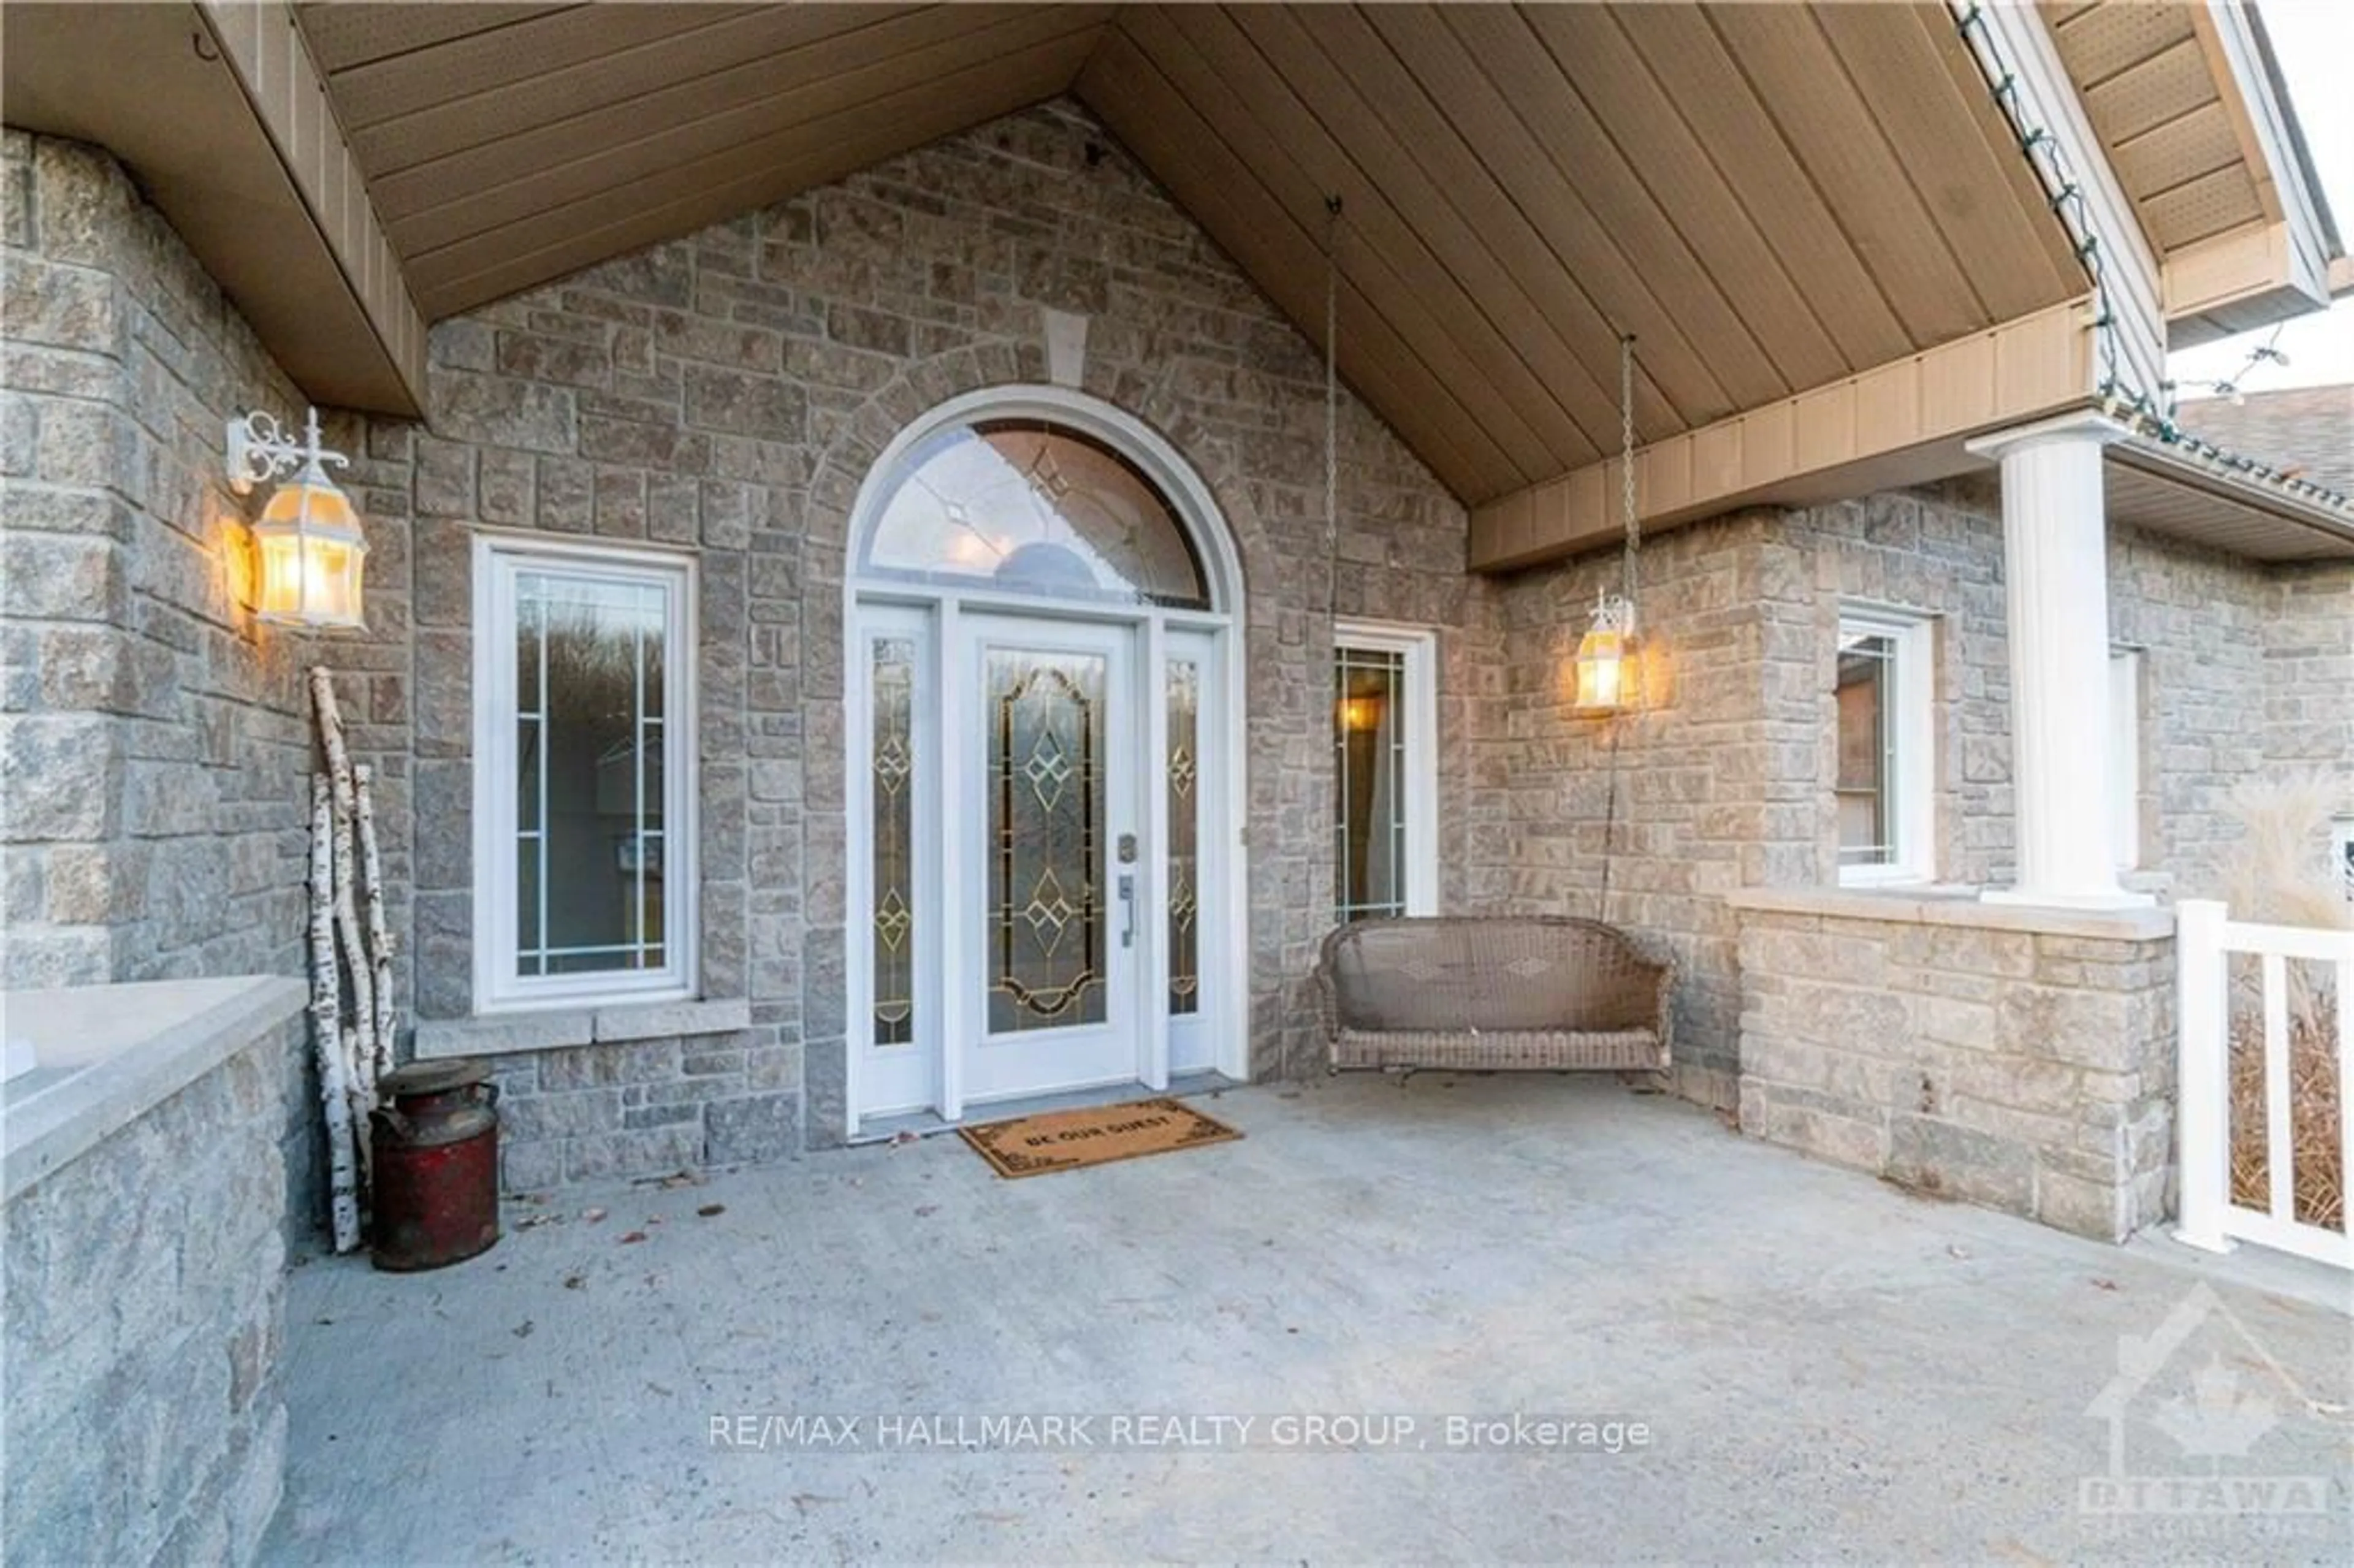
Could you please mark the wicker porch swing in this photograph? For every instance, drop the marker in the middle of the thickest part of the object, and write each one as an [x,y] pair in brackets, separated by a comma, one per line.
[1489,993]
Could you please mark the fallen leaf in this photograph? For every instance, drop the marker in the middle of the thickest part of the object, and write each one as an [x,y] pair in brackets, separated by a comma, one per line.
[522,1329]
[710,1209]
[2104,1284]
[629,1236]
[925,1211]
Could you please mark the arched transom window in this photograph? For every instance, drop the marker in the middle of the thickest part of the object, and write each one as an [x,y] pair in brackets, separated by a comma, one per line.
[1030,507]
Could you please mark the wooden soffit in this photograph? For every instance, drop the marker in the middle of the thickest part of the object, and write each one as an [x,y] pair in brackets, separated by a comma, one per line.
[1772,199]
[2170,489]
[508,146]
[1769,197]
[2188,105]
[217,111]
[1900,423]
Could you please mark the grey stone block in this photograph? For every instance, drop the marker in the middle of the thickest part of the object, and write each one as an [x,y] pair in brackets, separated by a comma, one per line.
[1959,1163]
[755,1127]
[501,1034]
[560,1115]
[654,1151]
[656,1021]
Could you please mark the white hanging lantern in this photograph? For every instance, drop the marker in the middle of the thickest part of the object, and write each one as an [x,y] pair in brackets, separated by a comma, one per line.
[310,557]
[1608,680]
[1605,656]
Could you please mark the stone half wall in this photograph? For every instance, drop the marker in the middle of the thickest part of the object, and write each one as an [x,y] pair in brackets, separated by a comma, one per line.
[145,1316]
[2019,1059]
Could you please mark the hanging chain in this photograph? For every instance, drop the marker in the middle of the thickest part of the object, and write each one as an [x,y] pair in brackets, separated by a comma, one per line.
[1332,406]
[1626,463]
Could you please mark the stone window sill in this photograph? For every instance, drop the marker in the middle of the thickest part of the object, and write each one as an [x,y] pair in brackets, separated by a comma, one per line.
[1946,903]
[507,1034]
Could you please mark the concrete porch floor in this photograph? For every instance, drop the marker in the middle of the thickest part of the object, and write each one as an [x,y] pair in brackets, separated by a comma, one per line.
[1830,1370]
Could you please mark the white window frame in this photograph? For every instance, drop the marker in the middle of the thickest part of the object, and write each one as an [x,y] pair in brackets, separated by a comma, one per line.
[2125,755]
[1418,645]
[1913,721]
[498,987]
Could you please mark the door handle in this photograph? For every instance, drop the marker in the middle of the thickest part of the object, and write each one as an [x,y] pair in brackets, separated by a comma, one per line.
[1127,909]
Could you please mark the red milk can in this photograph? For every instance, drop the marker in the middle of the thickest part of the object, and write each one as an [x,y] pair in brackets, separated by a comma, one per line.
[435,1165]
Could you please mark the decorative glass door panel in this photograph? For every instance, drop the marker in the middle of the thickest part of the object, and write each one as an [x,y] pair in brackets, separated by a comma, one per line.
[1054,879]
[1047,929]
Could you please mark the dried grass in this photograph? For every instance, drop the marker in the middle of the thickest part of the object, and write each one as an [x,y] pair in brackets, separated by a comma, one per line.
[2315,1156]
[2275,874]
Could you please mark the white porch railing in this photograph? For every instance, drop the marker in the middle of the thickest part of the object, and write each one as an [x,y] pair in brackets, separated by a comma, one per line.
[2205,937]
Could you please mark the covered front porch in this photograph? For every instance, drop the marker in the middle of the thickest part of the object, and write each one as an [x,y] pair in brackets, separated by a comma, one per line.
[1812,1358]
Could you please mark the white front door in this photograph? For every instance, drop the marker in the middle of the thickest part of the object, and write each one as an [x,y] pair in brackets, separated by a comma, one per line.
[1046,810]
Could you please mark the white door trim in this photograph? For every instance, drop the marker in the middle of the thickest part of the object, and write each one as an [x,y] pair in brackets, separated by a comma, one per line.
[1224,916]
[1418,647]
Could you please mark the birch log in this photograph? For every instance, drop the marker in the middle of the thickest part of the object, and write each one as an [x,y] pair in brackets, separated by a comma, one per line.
[379,936]
[327,1025]
[357,968]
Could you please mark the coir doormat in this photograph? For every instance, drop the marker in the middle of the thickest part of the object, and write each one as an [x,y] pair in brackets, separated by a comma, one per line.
[1096,1135]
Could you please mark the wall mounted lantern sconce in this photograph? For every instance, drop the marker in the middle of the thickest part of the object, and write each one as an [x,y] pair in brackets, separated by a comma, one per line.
[308,552]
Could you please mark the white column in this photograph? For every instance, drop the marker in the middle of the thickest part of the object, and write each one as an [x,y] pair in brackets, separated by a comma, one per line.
[2056,580]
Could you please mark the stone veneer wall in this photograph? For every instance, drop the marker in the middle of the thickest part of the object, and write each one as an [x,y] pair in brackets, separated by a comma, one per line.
[1723,781]
[722,395]
[1967,1054]
[152,737]
[2308,670]
[144,1323]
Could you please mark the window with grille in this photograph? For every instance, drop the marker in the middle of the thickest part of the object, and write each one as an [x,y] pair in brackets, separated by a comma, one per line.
[583,796]
[1882,789]
[1385,765]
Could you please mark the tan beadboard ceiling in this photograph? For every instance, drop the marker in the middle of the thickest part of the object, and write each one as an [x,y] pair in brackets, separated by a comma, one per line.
[2149,87]
[1770,196]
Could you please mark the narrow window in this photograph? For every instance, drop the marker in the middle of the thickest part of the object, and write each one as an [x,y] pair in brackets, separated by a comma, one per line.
[894,751]
[1184,697]
[1385,767]
[1883,787]
[584,842]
